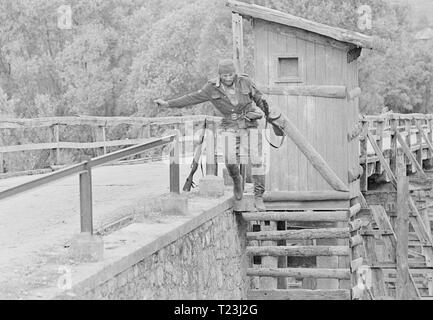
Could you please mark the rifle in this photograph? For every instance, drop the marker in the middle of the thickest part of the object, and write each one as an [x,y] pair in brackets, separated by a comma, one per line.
[194,166]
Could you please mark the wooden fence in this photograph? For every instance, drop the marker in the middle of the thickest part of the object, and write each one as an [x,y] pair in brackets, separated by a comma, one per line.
[99,124]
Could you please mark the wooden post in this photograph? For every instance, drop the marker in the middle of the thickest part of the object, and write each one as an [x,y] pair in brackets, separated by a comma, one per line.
[379,132]
[393,146]
[282,261]
[419,142]
[56,151]
[174,167]
[86,214]
[364,156]
[211,150]
[238,42]
[408,128]
[402,231]
[104,139]
[269,283]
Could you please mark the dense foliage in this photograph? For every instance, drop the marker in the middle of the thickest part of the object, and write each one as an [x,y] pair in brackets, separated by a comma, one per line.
[120,55]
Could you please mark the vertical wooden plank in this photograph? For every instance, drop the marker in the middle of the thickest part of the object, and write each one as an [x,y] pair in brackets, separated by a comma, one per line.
[174,167]
[402,232]
[267,283]
[238,42]
[364,156]
[86,213]
[55,138]
[282,261]
[393,145]
[379,132]
[408,139]
[418,142]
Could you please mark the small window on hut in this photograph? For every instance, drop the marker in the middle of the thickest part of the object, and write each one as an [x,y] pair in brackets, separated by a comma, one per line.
[288,69]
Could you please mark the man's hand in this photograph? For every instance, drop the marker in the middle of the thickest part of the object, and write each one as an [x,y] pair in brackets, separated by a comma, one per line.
[161,103]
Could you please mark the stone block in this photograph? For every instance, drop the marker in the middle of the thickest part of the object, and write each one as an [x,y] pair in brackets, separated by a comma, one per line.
[174,204]
[211,186]
[86,248]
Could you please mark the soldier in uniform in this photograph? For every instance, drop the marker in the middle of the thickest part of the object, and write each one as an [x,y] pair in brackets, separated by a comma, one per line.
[233,95]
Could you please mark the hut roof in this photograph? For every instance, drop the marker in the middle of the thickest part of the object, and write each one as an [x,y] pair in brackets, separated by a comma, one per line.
[339,34]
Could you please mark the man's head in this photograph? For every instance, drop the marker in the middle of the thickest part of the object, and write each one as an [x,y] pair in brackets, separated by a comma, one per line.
[227,71]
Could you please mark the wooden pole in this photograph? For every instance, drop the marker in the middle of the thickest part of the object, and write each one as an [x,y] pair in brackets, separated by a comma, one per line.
[364,156]
[269,261]
[238,42]
[402,231]
[86,214]
[393,146]
[104,139]
[174,167]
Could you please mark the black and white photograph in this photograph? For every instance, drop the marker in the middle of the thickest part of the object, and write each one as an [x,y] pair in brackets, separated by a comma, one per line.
[229,151]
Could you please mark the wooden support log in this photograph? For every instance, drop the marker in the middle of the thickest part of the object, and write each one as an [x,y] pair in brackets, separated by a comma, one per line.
[305,234]
[336,92]
[381,157]
[299,294]
[298,251]
[353,211]
[301,273]
[410,155]
[324,216]
[312,155]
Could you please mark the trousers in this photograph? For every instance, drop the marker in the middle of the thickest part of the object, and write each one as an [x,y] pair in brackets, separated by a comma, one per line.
[240,146]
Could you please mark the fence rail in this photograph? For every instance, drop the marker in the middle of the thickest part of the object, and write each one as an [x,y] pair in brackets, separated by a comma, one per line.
[99,125]
[84,169]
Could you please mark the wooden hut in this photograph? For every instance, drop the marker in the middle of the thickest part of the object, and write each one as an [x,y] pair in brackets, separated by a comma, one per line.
[309,71]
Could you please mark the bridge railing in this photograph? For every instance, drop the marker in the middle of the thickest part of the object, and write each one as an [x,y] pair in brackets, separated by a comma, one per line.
[145,128]
[84,170]
[382,137]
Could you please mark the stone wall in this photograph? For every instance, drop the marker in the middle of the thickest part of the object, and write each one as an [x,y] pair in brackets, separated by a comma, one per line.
[206,263]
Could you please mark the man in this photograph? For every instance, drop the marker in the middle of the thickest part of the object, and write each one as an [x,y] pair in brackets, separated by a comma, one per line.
[232,95]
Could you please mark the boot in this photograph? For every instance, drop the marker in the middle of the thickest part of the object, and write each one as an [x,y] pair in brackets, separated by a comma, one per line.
[259,189]
[238,186]
[238,189]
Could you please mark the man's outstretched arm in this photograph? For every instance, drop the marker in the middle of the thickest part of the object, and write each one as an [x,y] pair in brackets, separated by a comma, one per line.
[187,100]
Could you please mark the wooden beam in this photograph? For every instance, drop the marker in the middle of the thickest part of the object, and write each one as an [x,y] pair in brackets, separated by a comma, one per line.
[174,167]
[312,155]
[336,92]
[238,42]
[381,157]
[299,294]
[275,196]
[86,211]
[306,234]
[402,232]
[298,251]
[328,216]
[410,155]
[343,274]
[19,123]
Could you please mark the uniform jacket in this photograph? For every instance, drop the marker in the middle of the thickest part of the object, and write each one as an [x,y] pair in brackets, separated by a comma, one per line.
[246,91]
